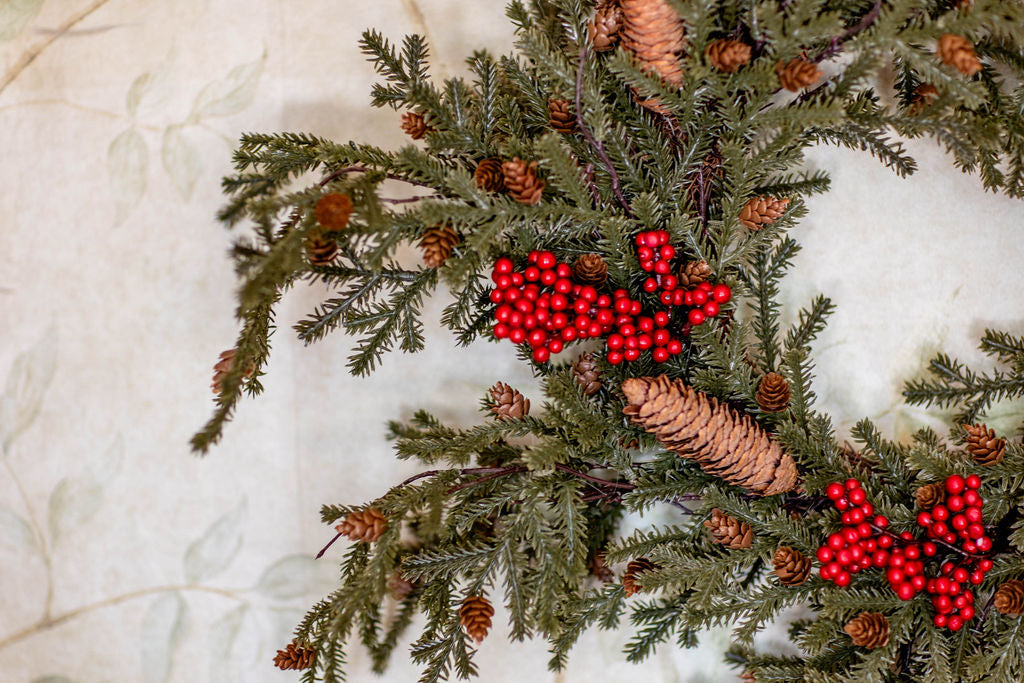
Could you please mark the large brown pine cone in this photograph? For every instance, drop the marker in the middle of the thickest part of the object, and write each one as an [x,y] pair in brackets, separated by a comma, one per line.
[488,176]
[983,445]
[605,25]
[586,374]
[724,442]
[223,367]
[1009,599]
[320,249]
[634,569]
[869,630]
[761,211]
[653,31]
[509,404]
[727,55]
[958,52]
[333,211]
[415,125]
[791,566]
[561,117]
[364,526]
[797,73]
[475,616]
[437,244]
[694,273]
[729,531]
[522,182]
[930,495]
[294,656]
[773,393]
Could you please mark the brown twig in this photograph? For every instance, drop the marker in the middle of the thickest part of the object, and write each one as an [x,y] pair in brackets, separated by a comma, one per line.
[334,175]
[324,549]
[598,147]
[515,469]
[835,46]
[596,480]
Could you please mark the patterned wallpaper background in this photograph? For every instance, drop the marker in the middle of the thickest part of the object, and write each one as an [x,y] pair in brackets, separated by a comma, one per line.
[125,558]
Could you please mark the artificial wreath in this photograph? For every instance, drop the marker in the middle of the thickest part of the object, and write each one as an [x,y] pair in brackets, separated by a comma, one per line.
[614,200]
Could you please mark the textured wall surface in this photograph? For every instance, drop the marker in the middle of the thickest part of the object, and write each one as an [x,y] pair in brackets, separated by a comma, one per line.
[123,557]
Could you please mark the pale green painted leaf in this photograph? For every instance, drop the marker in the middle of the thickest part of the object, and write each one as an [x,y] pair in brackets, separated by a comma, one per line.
[76,499]
[52,679]
[27,381]
[231,94]
[140,86]
[163,627]
[128,165]
[290,577]
[15,15]
[181,160]
[15,531]
[229,653]
[213,552]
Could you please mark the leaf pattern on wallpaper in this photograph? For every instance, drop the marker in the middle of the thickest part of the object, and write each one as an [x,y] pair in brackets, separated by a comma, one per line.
[128,166]
[77,498]
[15,16]
[27,381]
[163,627]
[213,551]
[231,94]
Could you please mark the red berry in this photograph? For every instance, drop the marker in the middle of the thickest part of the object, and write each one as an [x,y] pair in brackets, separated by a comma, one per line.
[912,552]
[662,267]
[532,257]
[857,496]
[985,565]
[631,354]
[614,357]
[841,579]
[959,522]
[548,277]
[696,316]
[501,330]
[675,347]
[868,509]
[541,355]
[955,623]
[851,535]
[845,556]
[942,603]
[949,538]
[864,529]
[504,265]
[924,519]
[537,338]
[700,297]
[955,503]
[546,259]
[984,544]
[564,286]
[939,529]
[929,548]
[906,536]
[973,481]
[667,252]
[842,503]
[563,270]
[942,585]
[967,613]
[955,484]
[662,337]
[650,285]
[960,574]
[851,484]
[711,309]
[905,591]
[614,341]
[970,547]
[880,558]
[706,286]
[687,297]
[939,620]
[555,346]
[517,335]
[885,541]
[825,554]
[635,308]
[973,515]
[679,297]
[666,298]
[660,355]
[976,577]
[721,293]
[894,575]
[881,521]
[918,582]
[834,491]
[940,513]
[971,498]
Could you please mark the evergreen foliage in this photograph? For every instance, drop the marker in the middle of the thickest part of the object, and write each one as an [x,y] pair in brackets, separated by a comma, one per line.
[517,510]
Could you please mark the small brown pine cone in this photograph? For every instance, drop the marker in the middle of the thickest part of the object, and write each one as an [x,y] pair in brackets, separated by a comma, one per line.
[727,55]
[1009,599]
[586,374]
[364,526]
[924,94]
[791,566]
[333,211]
[724,442]
[773,393]
[509,404]
[748,677]
[605,25]
[561,117]
[522,182]
[930,495]
[437,244]
[634,569]
[599,570]
[694,273]
[653,31]
[223,367]
[797,73]
[475,616]
[400,587]
[869,630]
[320,249]
[415,125]
[729,531]
[590,269]
[294,656]
[983,445]
[958,52]
[761,211]
[488,176]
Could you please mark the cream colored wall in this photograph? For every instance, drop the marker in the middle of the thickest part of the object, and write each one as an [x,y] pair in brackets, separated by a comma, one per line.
[123,557]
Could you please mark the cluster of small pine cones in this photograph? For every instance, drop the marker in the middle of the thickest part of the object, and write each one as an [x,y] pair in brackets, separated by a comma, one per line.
[520,179]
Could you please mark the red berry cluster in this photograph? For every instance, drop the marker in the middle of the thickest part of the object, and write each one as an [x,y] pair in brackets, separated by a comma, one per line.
[656,254]
[542,306]
[865,543]
[958,522]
